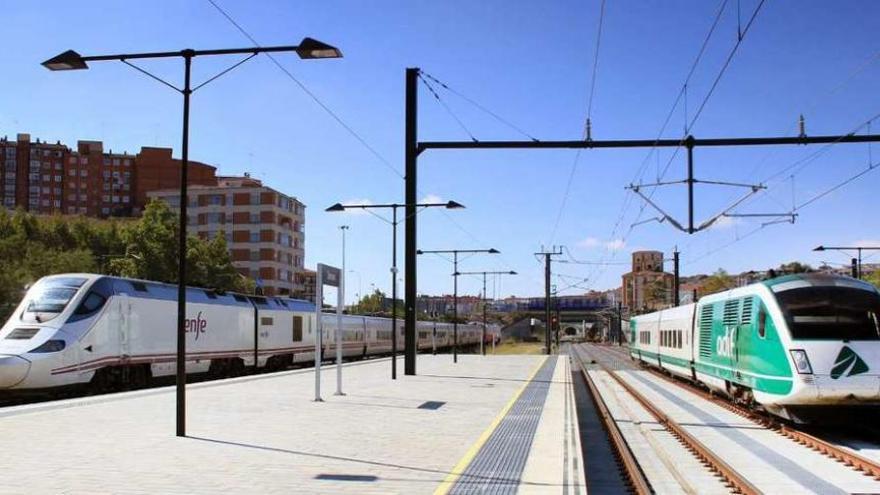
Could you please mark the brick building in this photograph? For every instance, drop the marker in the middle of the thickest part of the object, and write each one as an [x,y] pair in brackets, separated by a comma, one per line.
[263,228]
[47,178]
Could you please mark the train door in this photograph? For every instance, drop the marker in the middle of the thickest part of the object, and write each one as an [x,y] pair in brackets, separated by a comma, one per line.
[124,326]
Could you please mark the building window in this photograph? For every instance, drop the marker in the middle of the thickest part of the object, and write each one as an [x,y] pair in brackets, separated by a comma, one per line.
[72,159]
[71,173]
[126,163]
[57,178]
[106,186]
[105,211]
[47,178]
[255,218]
[106,174]
[115,199]
[116,161]
[10,152]
[105,198]
[255,237]
[47,190]
[58,166]
[126,199]
[56,203]
[83,160]
[106,161]
[83,173]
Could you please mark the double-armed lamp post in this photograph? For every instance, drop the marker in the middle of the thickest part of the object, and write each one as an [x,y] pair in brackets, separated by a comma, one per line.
[511,272]
[455,274]
[858,265]
[339,207]
[71,60]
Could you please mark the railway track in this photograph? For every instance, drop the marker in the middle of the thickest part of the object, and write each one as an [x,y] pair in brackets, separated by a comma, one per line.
[804,461]
[869,467]
[639,482]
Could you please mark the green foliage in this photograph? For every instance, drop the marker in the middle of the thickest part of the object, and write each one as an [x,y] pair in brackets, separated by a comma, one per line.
[874,278]
[795,267]
[717,282]
[370,303]
[34,246]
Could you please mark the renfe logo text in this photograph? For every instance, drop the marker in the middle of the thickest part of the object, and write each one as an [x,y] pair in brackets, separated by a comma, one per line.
[196,325]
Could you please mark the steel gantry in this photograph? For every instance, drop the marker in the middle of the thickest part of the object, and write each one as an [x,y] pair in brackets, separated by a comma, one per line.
[413,148]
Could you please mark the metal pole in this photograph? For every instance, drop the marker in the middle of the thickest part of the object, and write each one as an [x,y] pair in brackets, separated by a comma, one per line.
[859,265]
[393,293]
[677,280]
[319,330]
[689,142]
[855,268]
[340,302]
[483,340]
[619,323]
[411,156]
[455,308]
[547,301]
[181,255]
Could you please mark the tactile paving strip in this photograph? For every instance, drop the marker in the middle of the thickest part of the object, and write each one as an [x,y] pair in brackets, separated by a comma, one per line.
[498,466]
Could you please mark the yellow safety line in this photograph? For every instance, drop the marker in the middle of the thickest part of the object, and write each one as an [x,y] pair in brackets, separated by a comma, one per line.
[463,463]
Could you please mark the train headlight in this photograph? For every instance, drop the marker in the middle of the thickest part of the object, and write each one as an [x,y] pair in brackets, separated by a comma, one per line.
[50,346]
[801,362]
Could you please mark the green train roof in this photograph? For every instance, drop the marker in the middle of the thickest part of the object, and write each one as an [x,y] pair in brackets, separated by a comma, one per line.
[817,279]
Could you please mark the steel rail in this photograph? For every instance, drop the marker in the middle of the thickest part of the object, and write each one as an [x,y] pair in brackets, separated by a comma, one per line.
[858,462]
[638,481]
[712,461]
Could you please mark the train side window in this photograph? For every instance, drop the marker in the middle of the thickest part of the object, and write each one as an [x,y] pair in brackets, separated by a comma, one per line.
[297,328]
[762,323]
[92,303]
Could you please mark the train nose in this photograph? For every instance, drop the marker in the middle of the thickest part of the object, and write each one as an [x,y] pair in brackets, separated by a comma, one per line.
[13,370]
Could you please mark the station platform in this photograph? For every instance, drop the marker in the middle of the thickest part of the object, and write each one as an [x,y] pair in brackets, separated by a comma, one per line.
[493,424]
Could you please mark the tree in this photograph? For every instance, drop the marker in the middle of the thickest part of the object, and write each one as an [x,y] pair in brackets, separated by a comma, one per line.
[370,303]
[151,253]
[795,267]
[717,282]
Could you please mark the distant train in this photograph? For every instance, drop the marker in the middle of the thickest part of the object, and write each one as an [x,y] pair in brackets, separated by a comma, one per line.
[794,345]
[113,332]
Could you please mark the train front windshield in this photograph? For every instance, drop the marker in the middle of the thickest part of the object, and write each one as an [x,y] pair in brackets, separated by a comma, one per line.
[49,297]
[831,313]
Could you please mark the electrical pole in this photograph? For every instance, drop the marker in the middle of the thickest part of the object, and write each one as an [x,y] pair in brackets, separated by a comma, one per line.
[676,285]
[548,258]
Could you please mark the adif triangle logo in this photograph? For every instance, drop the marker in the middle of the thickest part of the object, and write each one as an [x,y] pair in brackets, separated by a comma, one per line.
[848,363]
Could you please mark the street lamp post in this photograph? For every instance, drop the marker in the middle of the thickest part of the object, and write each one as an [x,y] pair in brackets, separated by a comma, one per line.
[454,253]
[71,60]
[859,249]
[338,207]
[511,272]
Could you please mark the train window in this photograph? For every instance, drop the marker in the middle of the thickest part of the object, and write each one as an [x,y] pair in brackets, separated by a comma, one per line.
[239,298]
[831,313]
[139,286]
[266,321]
[90,304]
[297,328]
[210,294]
[762,323]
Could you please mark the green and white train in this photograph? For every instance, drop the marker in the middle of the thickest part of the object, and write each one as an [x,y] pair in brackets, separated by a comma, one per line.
[799,346]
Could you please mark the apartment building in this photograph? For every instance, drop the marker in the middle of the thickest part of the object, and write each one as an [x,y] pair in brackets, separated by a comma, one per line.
[264,228]
[47,178]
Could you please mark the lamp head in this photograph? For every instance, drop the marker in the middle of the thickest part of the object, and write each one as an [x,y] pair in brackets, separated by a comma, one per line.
[493,251]
[419,251]
[336,207]
[820,248]
[311,48]
[454,205]
[69,60]
[512,272]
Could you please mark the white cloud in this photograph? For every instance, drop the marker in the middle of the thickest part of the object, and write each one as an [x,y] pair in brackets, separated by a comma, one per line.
[589,242]
[611,245]
[724,223]
[432,198]
[615,244]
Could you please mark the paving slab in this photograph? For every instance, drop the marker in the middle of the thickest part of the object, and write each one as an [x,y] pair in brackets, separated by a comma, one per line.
[265,434]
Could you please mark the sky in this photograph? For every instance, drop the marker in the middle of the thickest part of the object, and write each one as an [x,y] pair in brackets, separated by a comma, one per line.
[532,64]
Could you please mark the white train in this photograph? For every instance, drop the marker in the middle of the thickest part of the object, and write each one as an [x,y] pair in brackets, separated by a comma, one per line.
[112,332]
